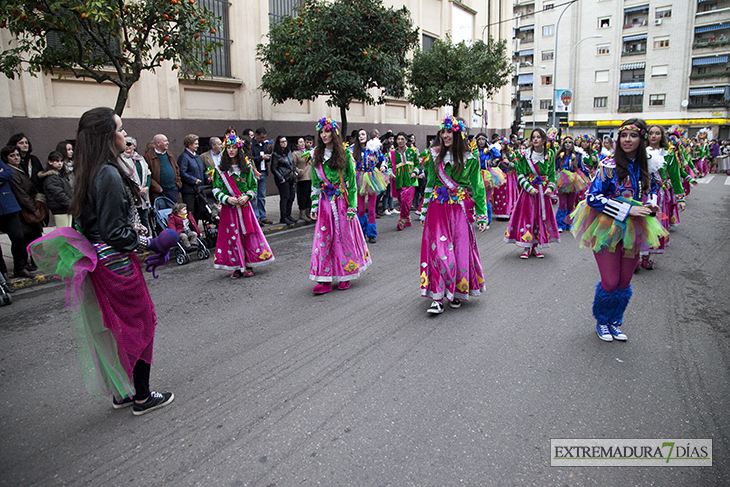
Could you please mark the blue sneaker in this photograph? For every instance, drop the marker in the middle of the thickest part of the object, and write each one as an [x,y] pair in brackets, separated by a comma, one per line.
[603,333]
[616,333]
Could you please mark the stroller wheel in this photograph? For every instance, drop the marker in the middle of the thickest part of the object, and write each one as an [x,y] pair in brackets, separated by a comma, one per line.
[203,253]
[7,299]
[182,258]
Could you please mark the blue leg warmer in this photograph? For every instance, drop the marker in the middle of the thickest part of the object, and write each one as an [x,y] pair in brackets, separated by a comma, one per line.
[623,296]
[560,216]
[369,229]
[489,213]
[605,305]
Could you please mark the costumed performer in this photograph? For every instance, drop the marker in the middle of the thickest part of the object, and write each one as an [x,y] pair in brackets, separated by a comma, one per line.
[450,262]
[339,251]
[505,196]
[616,225]
[113,315]
[489,157]
[571,179]
[532,225]
[240,244]
[404,177]
[369,166]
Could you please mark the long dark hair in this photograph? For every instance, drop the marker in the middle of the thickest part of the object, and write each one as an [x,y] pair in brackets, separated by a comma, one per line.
[563,152]
[337,161]
[544,137]
[15,138]
[94,148]
[240,159]
[622,161]
[458,148]
[278,149]
[61,149]
[357,147]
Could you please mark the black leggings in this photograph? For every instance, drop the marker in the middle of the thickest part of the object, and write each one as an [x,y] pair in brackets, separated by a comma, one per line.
[141,376]
[304,194]
[10,224]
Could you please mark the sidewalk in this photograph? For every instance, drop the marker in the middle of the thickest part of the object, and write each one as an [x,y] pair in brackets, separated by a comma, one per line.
[272,213]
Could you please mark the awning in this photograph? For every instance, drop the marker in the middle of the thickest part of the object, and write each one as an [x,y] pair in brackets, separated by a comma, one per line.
[704,61]
[636,9]
[630,93]
[720,90]
[527,27]
[525,79]
[709,28]
[639,37]
[526,52]
[628,66]
[528,98]
[700,1]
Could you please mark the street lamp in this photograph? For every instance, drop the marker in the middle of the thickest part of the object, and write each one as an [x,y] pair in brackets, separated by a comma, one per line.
[555,61]
[570,68]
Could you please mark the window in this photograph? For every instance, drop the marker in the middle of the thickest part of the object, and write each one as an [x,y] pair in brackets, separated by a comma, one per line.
[277,8]
[221,59]
[604,49]
[546,80]
[661,42]
[548,30]
[548,6]
[702,70]
[707,6]
[602,76]
[657,100]
[663,12]
[428,42]
[659,70]
[544,104]
[604,23]
[635,18]
[600,102]
[547,55]
[631,75]
[630,102]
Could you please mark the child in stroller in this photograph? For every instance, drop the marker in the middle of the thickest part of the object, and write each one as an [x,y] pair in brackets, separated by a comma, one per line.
[162,208]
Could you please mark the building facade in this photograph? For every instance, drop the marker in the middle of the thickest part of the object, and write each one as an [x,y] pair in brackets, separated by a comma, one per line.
[47,108]
[665,61]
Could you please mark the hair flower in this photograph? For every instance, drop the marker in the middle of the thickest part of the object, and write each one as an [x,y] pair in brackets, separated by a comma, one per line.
[326,123]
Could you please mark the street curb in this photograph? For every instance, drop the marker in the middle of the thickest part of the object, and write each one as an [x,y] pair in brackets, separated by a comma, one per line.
[24,282]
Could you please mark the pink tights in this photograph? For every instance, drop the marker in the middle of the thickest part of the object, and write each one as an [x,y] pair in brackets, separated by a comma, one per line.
[566,201]
[616,269]
[371,206]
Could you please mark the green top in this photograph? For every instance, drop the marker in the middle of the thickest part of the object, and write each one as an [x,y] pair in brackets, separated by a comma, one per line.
[336,179]
[470,176]
[525,176]
[403,165]
[246,184]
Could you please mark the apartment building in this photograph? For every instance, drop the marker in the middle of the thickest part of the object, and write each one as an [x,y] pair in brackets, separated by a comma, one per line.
[47,107]
[665,61]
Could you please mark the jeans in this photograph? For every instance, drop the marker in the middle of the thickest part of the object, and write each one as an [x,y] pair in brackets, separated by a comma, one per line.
[260,207]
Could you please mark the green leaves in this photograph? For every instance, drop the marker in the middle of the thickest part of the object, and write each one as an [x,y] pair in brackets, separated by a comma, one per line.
[106,40]
[450,74]
[339,49]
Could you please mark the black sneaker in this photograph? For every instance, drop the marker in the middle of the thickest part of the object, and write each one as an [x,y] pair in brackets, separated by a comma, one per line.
[126,402]
[155,401]
[455,303]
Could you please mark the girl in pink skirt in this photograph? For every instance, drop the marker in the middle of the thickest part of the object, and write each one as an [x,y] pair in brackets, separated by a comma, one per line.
[339,251]
[505,196]
[532,225]
[450,262]
[241,244]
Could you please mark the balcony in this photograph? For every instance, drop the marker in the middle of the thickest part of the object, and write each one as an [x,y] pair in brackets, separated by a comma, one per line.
[712,105]
[705,78]
[633,25]
[720,14]
[711,45]
[631,109]
[633,53]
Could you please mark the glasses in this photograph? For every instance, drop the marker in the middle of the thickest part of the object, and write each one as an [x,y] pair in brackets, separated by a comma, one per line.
[129,144]
[120,129]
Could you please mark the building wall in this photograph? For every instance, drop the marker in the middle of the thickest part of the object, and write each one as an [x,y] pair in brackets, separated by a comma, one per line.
[47,108]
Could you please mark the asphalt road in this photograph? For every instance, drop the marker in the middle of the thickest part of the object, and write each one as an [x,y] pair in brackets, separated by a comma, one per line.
[277,387]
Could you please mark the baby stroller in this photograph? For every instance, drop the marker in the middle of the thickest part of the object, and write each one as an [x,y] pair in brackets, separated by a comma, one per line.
[161,209]
[204,202]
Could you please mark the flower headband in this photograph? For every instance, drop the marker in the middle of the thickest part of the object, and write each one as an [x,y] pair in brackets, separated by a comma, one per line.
[326,123]
[233,140]
[450,123]
[635,128]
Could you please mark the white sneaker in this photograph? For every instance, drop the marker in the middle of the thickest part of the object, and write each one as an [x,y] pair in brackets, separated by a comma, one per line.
[436,308]
[387,212]
[418,212]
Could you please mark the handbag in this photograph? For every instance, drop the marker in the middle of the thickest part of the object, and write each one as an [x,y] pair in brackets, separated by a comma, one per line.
[38,215]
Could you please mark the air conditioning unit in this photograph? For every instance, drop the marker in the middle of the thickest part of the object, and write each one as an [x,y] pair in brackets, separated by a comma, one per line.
[658,22]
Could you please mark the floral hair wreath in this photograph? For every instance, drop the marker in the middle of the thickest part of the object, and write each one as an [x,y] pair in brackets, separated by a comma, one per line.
[326,123]
[233,140]
[635,128]
[453,124]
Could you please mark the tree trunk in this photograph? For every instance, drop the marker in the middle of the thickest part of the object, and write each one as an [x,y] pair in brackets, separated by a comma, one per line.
[456,110]
[343,123]
[121,100]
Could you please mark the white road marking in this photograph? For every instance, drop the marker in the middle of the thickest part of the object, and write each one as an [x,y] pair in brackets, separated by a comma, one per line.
[706,179]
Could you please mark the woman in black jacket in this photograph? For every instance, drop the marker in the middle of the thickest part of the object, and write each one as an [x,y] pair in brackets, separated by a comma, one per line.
[285,177]
[28,162]
[10,215]
[57,187]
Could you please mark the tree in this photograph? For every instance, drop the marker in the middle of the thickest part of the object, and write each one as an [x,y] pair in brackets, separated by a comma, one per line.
[340,49]
[453,74]
[107,40]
